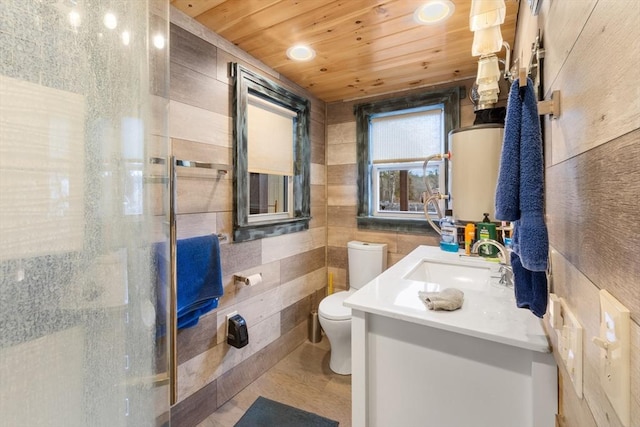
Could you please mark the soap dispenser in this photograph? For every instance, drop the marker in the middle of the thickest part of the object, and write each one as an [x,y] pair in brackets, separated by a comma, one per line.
[486,230]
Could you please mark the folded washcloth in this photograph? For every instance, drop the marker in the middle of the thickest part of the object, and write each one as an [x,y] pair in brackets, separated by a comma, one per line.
[530,287]
[448,299]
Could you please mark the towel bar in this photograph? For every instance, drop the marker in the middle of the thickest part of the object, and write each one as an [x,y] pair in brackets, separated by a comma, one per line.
[222,169]
[173,296]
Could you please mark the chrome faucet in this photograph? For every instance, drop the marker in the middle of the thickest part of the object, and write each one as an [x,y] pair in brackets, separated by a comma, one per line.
[506,271]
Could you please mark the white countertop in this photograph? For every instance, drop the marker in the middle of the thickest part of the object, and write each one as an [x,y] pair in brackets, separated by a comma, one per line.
[489,312]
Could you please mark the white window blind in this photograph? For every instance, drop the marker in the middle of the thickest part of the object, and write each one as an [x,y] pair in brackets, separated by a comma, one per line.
[270,137]
[406,137]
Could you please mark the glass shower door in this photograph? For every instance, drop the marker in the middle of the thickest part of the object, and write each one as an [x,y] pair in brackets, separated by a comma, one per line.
[83,107]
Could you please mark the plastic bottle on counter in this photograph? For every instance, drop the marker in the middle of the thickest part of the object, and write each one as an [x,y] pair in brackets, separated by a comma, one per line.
[486,230]
[448,233]
[469,237]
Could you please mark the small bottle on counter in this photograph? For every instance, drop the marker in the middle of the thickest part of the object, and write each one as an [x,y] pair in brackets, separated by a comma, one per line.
[486,230]
[469,236]
[448,232]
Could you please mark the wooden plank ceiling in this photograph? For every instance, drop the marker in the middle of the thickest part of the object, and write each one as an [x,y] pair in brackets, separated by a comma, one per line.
[363,47]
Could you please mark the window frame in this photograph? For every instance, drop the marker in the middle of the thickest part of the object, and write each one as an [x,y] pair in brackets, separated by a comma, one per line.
[449,98]
[376,168]
[247,82]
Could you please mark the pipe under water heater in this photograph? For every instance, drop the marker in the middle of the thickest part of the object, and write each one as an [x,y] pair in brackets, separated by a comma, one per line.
[475,153]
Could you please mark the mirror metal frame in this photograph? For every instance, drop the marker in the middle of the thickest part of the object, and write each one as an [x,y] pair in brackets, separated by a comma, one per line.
[247,82]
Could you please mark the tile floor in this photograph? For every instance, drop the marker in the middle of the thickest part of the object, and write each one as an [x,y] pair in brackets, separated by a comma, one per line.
[302,379]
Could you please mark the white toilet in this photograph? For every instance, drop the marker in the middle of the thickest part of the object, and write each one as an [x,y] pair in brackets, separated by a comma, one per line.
[366,261]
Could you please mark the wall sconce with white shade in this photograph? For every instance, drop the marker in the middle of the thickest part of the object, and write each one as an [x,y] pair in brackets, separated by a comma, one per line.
[485,19]
[486,13]
[487,80]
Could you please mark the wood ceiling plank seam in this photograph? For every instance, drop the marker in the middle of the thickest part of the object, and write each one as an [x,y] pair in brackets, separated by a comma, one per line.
[232,12]
[310,28]
[354,79]
[354,76]
[326,32]
[366,33]
[382,90]
[346,43]
[262,20]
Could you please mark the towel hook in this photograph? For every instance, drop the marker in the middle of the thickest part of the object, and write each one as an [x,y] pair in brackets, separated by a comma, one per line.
[550,106]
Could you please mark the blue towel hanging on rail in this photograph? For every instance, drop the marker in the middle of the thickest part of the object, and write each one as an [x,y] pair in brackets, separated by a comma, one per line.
[520,197]
[199,277]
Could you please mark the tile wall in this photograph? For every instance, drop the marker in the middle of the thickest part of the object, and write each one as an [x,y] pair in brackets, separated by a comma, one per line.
[293,266]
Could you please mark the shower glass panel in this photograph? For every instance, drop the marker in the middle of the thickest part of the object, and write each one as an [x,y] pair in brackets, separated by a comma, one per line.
[83,107]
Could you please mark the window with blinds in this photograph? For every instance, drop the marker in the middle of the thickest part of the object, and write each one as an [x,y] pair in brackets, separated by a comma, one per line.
[270,137]
[270,159]
[406,136]
[399,143]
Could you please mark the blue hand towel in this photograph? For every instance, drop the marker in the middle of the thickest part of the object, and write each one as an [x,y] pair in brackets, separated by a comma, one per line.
[530,287]
[520,188]
[199,275]
[508,186]
[199,278]
[520,196]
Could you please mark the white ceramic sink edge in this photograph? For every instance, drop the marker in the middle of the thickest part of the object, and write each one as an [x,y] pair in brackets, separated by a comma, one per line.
[463,274]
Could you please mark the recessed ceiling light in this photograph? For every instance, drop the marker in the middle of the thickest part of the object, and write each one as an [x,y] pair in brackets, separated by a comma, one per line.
[301,53]
[433,12]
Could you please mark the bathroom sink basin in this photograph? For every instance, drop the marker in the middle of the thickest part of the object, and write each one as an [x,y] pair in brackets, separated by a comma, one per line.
[461,275]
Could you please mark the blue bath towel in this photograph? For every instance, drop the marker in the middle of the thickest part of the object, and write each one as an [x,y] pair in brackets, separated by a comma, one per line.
[199,275]
[520,188]
[530,287]
[520,194]
[508,186]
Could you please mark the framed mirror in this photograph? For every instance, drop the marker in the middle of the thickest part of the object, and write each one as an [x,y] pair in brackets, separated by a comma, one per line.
[271,157]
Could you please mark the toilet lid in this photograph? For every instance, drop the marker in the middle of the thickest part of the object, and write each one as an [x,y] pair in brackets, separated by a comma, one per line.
[331,307]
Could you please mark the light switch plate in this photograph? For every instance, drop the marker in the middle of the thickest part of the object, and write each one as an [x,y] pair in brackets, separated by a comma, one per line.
[614,343]
[555,312]
[570,343]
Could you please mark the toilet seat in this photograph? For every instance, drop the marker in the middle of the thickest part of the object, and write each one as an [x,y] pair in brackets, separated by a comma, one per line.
[331,307]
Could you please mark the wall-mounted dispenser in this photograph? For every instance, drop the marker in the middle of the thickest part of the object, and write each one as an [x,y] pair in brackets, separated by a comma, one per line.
[475,153]
[237,334]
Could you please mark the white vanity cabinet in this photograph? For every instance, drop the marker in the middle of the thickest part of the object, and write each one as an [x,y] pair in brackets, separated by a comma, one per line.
[486,364]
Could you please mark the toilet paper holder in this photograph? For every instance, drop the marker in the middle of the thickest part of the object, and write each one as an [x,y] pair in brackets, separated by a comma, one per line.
[250,280]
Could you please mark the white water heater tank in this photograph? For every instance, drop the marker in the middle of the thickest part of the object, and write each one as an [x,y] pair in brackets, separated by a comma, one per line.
[475,159]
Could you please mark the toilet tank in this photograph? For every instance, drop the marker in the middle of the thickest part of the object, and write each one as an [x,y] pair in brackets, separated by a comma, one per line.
[366,261]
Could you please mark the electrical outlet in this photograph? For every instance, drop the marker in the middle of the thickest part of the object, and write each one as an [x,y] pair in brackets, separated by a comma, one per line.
[614,343]
[226,323]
